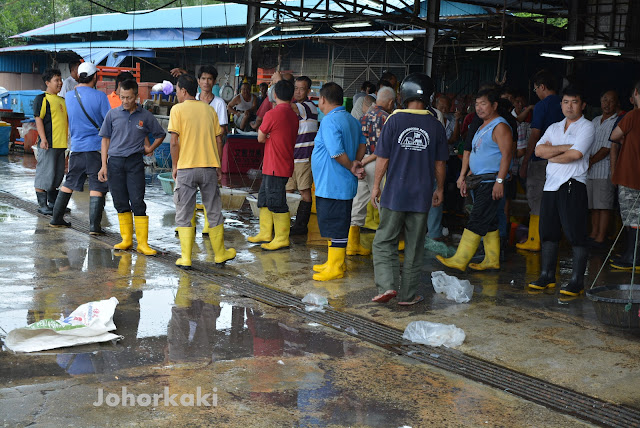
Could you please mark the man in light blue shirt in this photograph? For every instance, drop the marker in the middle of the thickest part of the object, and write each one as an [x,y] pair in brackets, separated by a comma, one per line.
[335,162]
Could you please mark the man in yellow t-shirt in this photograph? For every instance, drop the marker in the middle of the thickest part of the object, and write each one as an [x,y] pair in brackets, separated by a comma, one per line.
[196,144]
[53,126]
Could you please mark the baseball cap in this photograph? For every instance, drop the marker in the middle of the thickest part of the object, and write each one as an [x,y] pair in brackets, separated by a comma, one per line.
[87,69]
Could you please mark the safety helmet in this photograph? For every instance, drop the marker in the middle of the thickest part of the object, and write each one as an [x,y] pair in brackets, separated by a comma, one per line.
[416,86]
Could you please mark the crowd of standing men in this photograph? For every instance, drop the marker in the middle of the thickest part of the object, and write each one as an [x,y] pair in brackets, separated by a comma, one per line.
[394,150]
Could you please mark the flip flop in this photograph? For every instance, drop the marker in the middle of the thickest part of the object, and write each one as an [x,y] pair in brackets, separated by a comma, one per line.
[384,298]
[415,300]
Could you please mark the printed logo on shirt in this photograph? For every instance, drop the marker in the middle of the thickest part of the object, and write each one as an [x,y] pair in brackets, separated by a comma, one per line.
[414,139]
[140,125]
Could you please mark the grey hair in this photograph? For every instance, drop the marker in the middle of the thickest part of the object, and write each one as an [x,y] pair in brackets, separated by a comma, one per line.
[385,94]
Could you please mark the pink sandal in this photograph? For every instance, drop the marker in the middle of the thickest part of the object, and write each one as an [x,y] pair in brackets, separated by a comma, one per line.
[384,298]
[415,300]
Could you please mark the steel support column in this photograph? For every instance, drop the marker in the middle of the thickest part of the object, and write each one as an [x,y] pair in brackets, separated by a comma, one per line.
[433,15]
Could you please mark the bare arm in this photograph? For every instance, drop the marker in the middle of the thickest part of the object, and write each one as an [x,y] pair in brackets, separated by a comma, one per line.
[567,157]
[175,153]
[362,149]
[156,143]
[44,144]
[104,150]
[262,137]
[441,174]
[464,171]
[617,135]
[613,156]
[600,154]
[232,104]
[547,151]
[381,170]
[254,104]
[525,112]
[369,159]
[503,136]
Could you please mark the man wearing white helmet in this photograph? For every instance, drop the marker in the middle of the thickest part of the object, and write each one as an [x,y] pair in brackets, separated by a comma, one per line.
[412,151]
[86,108]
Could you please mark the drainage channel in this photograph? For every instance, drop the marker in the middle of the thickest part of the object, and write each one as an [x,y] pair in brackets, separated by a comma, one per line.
[529,388]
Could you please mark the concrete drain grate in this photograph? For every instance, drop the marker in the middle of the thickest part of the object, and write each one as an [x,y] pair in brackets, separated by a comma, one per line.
[529,388]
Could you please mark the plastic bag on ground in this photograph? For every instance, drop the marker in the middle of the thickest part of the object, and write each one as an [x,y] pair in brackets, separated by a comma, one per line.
[89,323]
[455,289]
[438,247]
[314,302]
[434,334]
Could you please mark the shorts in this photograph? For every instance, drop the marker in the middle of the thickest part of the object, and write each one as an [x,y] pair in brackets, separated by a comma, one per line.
[629,205]
[272,194]
[81,166]
[50,169]
[334,217]
[536,177]
[601,193]
[301,178]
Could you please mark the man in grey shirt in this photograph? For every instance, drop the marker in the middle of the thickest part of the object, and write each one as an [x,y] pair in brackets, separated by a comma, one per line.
[70,82]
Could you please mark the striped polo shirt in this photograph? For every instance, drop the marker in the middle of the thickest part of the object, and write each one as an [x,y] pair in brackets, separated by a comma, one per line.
[601,170]
[307,130]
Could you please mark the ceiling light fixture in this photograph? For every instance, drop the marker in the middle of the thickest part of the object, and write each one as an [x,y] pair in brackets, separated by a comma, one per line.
[555,55]
[399,39]
[583,47]
[482,49]
[298,28]
[352,25]
[610,53]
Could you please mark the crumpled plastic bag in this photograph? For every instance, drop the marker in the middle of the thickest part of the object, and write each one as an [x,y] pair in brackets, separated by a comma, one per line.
[314,302]
[167,87]
[434,334]
[454,289]
[438,247]
[89,323]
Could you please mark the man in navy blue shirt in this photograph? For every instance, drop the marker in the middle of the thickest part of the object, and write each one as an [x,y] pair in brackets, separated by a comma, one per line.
[546,112]
[123,133]
[86,108]
[411,151]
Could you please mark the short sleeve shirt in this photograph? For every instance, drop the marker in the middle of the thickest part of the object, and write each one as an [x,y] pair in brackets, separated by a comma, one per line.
[67,85]
[220,107]
[600,170]
[264,108]
[197,127]
[84,136]
[307,130]
[281,125]
[580,135]
[626,171]
[339,133]
[127,131]
[53,111]
[545,113]
[372,123]
[412,140]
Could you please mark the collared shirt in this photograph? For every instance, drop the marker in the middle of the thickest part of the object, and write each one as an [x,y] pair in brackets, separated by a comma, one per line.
[580,135]
[412,140]
[307,130]
[281,126]
[127,131]
[602,168]
[83,135]
[68,84]
[114,100]
[53,112]
[545,113]
[339,133]
[220,107]
[372,126]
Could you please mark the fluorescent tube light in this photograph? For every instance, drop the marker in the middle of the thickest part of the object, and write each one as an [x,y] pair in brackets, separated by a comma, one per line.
[583,47]
[555,55]
[399,39]
[611,53]
[496,37]
[298,28]
[352,25]
[261,33]
[482,49]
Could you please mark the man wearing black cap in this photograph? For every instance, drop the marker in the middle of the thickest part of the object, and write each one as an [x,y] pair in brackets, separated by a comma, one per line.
[86,108]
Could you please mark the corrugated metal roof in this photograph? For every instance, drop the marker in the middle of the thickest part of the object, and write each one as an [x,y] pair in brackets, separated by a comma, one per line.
[210,16]
[22,63]
[347,35]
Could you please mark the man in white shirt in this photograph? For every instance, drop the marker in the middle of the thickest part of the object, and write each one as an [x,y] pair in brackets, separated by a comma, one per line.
[567,146]
[70,82]
[207,76]
[600,189]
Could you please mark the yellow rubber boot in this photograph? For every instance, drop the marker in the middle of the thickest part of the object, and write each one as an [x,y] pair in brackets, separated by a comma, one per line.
[282,226]
[354,248]
[216,235]
[334,265]
[126,231]
[491,253]
[533,242]
[205,229]
[323,266]
[266,227]
[142,235]
[187,236]
[466,249]
[401,245]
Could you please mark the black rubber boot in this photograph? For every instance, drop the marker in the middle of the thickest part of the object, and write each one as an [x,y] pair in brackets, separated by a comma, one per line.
[302,219]
[43,208]
[625,262]
[548,261]
[96,207]
[52,195]
[575,287]
[58,210]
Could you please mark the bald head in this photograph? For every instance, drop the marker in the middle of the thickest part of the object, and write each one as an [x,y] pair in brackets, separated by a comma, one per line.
[386,98]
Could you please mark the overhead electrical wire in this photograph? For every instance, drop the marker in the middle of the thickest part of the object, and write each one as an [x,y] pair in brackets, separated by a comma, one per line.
[110,9]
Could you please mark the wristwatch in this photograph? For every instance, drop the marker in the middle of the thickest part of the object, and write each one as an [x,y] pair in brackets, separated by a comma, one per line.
[499,180]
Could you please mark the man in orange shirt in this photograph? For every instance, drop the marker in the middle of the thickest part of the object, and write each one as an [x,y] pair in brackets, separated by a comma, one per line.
[114,97]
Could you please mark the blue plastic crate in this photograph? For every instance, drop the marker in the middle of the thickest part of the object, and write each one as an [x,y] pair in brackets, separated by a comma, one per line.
[22,101]
[5,101]
[163,155]
[5,133]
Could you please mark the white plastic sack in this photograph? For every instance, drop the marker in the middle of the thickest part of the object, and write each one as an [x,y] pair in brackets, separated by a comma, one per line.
[314,302]
[434,334]
[455,289]
[89,323]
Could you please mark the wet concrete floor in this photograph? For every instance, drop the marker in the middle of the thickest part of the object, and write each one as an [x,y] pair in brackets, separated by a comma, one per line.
[269,367]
